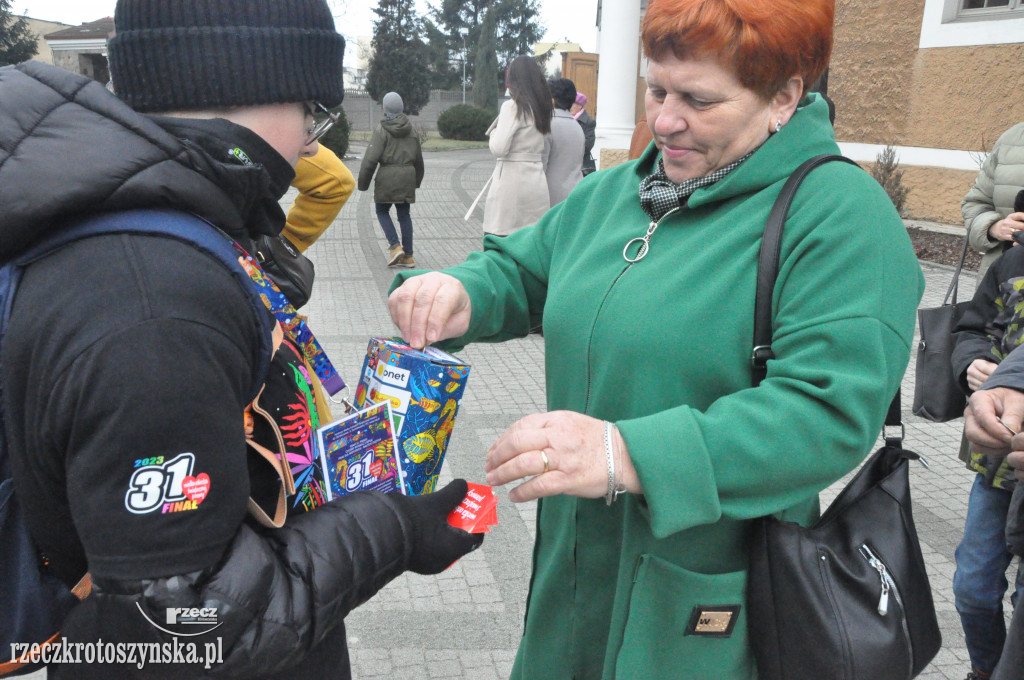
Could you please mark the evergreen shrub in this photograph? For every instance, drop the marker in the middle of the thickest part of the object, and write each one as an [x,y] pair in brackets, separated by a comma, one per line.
[886,171]
[465,122]
[336,138]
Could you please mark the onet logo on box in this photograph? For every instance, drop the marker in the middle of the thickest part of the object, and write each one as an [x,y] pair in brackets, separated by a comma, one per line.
[204,617]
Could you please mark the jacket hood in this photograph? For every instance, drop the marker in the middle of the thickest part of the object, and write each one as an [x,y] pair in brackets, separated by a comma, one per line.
[399,126]
[68,148]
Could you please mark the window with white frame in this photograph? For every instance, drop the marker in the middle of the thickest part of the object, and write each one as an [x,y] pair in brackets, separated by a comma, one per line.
[988,9]
[961,23]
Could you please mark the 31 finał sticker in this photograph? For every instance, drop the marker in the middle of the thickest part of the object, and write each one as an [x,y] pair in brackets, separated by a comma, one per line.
[166,485]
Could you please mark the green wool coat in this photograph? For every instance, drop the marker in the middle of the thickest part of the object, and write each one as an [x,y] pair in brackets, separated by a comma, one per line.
[662,348]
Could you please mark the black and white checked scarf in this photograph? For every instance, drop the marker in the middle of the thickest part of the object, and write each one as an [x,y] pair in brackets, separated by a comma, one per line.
[658,194]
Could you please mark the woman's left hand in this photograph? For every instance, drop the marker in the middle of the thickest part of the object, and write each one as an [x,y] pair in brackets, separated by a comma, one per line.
[563,452]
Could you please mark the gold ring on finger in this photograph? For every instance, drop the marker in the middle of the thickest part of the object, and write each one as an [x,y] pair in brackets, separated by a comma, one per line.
[544,457]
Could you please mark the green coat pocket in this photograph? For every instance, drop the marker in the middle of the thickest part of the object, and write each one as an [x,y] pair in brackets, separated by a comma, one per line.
[683,624]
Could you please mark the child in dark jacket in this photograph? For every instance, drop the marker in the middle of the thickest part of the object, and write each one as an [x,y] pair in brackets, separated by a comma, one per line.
[991,326]
[993,411]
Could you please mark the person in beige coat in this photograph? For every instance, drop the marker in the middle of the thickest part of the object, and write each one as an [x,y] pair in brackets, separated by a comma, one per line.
[988,211]
[519,138]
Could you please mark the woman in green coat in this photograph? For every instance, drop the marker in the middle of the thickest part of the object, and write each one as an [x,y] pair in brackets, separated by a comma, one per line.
[656,453]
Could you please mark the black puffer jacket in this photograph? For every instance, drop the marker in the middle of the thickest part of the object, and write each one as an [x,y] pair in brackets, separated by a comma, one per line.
[128,352]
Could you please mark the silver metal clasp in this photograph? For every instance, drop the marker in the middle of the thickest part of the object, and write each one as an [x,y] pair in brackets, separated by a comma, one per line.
[645,245]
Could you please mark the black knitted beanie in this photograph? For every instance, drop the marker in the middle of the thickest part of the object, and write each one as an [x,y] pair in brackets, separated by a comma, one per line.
[181,55]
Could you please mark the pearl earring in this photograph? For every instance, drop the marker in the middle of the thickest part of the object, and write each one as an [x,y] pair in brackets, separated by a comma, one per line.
[778,124]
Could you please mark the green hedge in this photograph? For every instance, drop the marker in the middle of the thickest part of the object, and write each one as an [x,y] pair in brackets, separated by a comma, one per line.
[464,122]
[336,138]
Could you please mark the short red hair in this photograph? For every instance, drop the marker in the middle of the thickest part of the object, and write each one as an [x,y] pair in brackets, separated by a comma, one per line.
[766,41]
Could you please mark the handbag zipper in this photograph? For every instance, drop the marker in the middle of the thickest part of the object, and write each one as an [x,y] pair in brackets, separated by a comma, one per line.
[883,576]
[889,586]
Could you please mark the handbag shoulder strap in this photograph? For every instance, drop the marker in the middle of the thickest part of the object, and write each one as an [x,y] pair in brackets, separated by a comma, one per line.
[894,419]
[954,285]
[768,271]
[768,264]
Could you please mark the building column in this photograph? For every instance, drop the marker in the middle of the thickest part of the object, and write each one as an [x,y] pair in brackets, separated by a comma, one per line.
[619,50]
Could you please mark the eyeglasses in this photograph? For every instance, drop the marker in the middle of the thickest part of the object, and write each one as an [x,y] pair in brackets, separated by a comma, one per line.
[323,119]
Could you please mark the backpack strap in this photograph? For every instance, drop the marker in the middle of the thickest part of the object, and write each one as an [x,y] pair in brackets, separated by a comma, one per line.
[185,227]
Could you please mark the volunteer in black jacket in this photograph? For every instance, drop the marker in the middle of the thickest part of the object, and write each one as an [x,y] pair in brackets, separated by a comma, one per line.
[991,413]
[124,350]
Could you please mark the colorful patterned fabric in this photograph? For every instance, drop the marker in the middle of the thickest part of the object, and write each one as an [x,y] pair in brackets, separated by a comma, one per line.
[293,323]
[288,399]
[1005,332]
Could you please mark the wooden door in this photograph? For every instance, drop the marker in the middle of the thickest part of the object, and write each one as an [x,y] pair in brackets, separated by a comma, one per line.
[581,69]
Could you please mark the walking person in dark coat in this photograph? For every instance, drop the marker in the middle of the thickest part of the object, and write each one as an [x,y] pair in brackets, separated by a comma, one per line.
[396,149]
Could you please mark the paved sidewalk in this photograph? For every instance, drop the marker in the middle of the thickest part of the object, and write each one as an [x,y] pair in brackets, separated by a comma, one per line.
[465,623]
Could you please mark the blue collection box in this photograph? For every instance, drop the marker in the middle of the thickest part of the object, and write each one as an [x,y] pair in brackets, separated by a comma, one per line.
[424,388]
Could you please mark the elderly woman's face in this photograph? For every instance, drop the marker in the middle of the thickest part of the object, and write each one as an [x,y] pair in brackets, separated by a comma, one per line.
[701,117]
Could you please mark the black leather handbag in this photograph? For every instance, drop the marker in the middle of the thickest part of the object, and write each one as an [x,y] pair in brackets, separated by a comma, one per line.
[847,598]
[937,393]
[292,271]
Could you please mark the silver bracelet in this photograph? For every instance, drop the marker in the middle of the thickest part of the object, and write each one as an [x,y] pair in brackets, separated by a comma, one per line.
[609,453]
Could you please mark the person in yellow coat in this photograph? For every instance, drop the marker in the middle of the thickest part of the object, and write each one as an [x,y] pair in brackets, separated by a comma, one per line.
[324,185]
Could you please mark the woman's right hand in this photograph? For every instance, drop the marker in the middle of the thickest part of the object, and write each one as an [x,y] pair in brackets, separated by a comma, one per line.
[978,372]
[1004,228]
[429,308]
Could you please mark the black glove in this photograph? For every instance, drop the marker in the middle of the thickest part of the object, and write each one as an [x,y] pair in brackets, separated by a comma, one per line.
[437,544]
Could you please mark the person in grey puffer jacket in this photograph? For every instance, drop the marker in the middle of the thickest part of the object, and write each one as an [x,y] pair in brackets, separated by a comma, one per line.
[135,353]
[988,208]
[396,149]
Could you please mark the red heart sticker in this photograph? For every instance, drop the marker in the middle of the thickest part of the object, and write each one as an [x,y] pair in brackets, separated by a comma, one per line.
[197,487]
[376,467]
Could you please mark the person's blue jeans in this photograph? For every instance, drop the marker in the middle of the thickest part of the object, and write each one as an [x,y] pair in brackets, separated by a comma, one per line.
[404,222]
[979,582]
